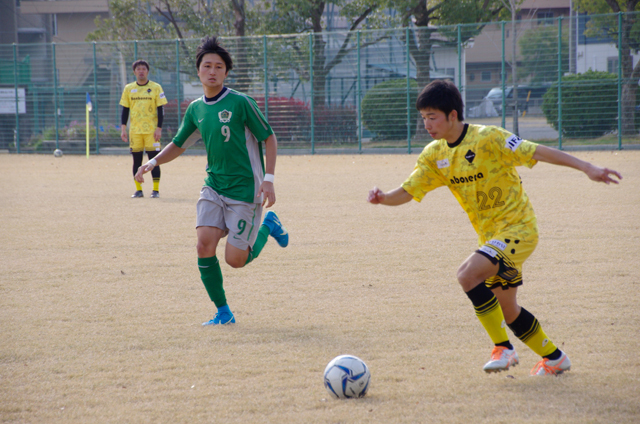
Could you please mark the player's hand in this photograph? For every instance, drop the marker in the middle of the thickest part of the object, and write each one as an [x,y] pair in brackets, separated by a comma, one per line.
[143,170]
[598,174]
[376,196]
[157,134]
[268,192]
[123,133]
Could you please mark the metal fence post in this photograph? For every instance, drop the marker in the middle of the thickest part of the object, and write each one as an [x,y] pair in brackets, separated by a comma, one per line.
[55,93]
[461,88]
[560,82]
[311,91]
[15,87]
[619,80]
[178,83]
[502,74]
[95,99]
[408,91]
[266,77]
[359,95]
[135,50]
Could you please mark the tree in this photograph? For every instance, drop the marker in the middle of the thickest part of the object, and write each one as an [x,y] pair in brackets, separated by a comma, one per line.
[422,15]
[300,16]
[176,19]
[607,26]
[539,50]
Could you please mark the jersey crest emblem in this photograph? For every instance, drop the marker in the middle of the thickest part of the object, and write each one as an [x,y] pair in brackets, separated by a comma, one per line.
[225,116]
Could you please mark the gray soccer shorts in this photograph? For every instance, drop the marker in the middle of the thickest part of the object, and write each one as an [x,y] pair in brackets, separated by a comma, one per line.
[241,219]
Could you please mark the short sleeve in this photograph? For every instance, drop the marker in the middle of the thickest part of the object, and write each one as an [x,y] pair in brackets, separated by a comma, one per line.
[124,100]
[424,178]
[255,121]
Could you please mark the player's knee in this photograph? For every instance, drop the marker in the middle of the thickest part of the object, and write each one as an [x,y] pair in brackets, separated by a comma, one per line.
[467,278]
[235,261]
[205,250]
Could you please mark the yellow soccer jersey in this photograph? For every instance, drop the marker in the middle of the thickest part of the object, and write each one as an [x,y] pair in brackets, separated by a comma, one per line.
[143,102]
[480,171]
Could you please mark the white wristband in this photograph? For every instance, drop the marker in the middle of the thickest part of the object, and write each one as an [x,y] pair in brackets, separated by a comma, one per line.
[152,162]
[269,177]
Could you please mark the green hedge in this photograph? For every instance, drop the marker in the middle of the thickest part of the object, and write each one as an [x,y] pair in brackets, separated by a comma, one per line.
[589,104]
[384,109]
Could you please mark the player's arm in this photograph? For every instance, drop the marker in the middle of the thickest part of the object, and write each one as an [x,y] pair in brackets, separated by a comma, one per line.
[158,132]
[557,157]
[169,153]
[267,188]
[396,197]
[124,118]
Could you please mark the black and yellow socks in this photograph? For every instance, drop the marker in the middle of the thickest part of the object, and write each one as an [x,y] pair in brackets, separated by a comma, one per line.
[490,314]
[527,328]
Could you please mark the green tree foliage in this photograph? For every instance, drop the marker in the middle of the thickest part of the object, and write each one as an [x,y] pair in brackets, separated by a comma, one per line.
[384,109]
[539,50]
[589,104]
[607,26]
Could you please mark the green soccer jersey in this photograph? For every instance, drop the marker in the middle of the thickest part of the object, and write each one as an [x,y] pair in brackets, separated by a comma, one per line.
[480,171]
[232,128]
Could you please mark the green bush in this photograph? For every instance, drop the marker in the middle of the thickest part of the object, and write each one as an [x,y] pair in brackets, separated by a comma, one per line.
[589,104]
[384,109]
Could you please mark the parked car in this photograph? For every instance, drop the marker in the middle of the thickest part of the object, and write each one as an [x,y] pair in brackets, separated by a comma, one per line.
[526,95]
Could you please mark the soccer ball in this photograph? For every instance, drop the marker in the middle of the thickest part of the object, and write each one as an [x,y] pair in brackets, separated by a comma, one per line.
[57,153]
[347,376]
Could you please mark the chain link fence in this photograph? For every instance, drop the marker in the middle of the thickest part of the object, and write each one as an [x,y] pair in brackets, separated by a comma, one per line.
[571,84]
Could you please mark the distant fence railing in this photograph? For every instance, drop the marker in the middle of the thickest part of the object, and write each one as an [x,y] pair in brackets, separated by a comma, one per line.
[570,85]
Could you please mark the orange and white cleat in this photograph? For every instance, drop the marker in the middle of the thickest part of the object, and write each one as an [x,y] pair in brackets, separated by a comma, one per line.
[555,367]
[501,359]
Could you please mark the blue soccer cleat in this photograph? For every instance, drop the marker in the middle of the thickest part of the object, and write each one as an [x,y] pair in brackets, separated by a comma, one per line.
[224,316]
[276,229]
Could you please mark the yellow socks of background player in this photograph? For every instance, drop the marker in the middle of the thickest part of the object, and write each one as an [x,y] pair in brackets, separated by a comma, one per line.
[211,276]
[156,184]
[138,185]
[489,313]
[527,328]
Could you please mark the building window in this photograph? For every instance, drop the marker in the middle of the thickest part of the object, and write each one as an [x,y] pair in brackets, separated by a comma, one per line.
[545,18]
[472,76]
[486,75]
[612,65]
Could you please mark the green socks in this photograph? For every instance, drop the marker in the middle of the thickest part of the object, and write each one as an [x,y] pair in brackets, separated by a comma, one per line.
[261,240]
[211,276]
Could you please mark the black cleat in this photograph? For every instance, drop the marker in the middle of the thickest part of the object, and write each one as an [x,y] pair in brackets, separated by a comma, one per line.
[154,194]
[137,194]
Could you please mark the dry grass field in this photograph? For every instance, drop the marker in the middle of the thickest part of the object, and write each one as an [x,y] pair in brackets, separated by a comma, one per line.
[101,302]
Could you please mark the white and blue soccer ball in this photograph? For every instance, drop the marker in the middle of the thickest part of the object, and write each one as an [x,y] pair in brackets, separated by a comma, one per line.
[347,376]
[57,153]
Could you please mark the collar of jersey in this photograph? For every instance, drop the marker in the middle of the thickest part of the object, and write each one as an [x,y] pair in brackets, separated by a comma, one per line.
[459,140]
[212,100]
[142,85]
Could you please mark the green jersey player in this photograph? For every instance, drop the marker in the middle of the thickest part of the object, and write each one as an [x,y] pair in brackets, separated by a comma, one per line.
[478,165]
[236,186]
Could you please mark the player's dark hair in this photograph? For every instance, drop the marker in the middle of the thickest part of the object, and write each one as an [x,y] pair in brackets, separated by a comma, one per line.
[211,45]
[140,62]
[441,95]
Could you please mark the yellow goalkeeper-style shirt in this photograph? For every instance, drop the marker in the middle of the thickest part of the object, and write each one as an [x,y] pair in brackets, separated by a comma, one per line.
[480,171]
[143,102]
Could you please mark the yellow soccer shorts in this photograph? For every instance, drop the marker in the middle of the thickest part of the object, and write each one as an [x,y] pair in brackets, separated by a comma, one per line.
[509,252]
[143,142]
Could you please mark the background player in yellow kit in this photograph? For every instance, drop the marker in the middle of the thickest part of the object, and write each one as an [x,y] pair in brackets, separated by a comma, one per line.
[478,164]
[142,104]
